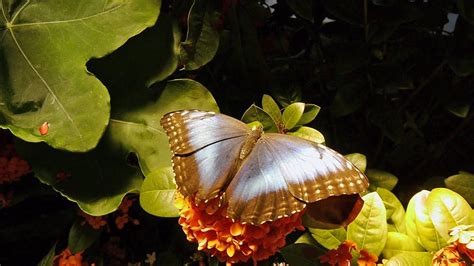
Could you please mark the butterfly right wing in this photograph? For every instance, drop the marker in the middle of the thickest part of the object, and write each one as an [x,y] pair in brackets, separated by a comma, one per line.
[205,150]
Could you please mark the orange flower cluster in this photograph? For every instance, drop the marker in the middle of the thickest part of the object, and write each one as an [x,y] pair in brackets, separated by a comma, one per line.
[121,216]
[461,249]
[66,258]
[232,242]
[12,167]
[342,255]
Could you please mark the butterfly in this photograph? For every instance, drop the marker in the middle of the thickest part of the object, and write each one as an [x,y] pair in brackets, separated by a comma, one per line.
[260,176]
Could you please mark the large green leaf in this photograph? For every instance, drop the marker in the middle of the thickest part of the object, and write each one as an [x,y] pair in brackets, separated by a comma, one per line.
[398,243]
[419,224]
[308,133]
[271,107]
[157,193]
[97,180]
[329,238]
[135,124]
[369,229]
[395,210]
[202,39]
[309,114]
[462,183]
[44,48]
[447,209]
[292,114]
[411,259]
[143,60]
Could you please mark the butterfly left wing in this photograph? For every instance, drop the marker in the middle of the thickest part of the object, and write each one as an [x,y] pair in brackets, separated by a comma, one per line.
[283,172]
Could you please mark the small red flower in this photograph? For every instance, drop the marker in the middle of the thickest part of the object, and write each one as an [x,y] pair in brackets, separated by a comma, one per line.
[341,256]
[367,259]
[95,222]
[231,242]
[66,258]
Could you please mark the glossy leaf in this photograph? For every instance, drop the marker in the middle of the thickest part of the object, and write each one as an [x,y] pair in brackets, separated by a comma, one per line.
[358,159]
[411,259]
[462,183]
[136,127]
[395,210]
[419,224]
[202,39]
[97,180]
[369,229]
[329,238]
[306,238]
[81,236]
[308,133]
[380,178]
[447,209]
[309,114]
[158,192]
[302,254]
[292,114]
[271,107]
[255,113]
[398,243]
[45,46]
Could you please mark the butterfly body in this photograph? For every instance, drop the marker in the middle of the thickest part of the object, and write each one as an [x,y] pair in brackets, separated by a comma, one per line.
[264,176]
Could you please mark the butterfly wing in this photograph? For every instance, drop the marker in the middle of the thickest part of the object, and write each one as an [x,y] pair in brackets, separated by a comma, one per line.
[284,171]
[205,150]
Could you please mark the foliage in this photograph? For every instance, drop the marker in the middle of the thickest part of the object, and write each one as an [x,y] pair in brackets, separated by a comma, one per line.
[83,85]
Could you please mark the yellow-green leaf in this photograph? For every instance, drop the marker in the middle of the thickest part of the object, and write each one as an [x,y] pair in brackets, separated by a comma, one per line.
[158,192]
[292,114]
[397,243]
[358,159]
[309,134]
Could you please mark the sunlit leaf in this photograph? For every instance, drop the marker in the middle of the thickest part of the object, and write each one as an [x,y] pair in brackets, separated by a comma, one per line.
[308,133]
[271,107]
[45,47]
[329,238]
[419,224]
[292,114]
[157,193]
[255,113]
[358,159]
[309,114]
[369,229]
[395,210]
[411,259]
[398,243]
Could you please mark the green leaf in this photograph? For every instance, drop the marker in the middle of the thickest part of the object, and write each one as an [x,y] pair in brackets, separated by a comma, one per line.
[302,254]
[135,123]
[395,210]
[411,259]
[292,114]
[329,238]
[463,184]
[255,113]
[359,160]
[419,224]
[81,236]
[97,180]
[309,114]
[271,107]
[306,238]
[447,209]
[202,39]
[380,178]
[397,243]
[157,193]
[369,229]
[143,60]
[302,8]
[45,47]
[308,133]
[48,260]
